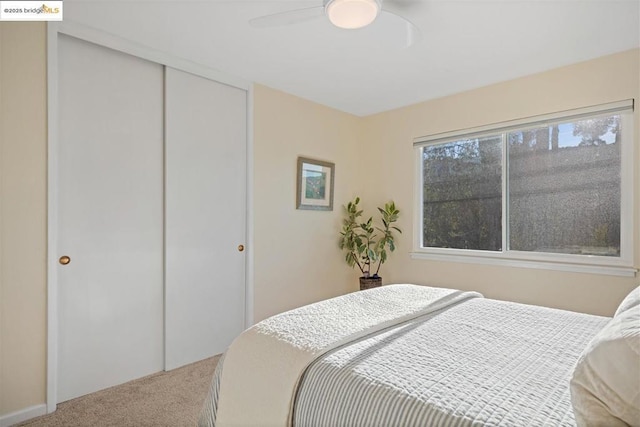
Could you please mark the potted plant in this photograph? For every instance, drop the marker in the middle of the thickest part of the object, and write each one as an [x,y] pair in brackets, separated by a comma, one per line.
[366,244]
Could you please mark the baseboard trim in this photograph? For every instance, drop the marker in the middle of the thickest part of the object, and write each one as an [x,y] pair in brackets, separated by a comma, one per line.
[23,415]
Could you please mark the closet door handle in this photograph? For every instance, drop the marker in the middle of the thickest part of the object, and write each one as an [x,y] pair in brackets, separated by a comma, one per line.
[64,260]
[240,248]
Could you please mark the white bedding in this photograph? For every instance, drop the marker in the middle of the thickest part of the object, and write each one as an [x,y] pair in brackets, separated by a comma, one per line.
[403,355]
[479,363]
[263,365]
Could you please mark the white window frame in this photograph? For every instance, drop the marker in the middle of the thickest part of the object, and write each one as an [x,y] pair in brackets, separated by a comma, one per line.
[616,266]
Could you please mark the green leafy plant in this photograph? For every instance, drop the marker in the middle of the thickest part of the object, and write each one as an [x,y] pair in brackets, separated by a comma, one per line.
[364,243]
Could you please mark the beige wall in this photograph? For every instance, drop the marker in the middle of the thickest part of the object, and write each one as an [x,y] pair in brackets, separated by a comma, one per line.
[388,137]
[23,147]
[296,259]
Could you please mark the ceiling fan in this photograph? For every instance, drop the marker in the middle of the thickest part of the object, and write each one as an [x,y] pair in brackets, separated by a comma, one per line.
[346,14]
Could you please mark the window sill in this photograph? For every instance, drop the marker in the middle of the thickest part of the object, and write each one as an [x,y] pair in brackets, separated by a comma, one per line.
[608,270]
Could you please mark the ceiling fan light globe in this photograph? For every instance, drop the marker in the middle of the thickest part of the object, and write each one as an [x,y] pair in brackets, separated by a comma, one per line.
[352,14]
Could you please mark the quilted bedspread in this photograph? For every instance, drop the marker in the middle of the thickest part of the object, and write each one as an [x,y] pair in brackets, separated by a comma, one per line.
[480,363]
[432,357]
[263,366]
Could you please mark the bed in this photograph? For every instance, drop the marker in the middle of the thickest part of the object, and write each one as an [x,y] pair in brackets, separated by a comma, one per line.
[408,355]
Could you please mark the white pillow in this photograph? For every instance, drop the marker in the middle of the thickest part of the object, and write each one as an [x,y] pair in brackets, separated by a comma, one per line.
[631,300]
[605,387]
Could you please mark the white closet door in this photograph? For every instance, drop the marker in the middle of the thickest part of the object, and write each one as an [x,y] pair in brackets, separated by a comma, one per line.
[205,216]
[110,221]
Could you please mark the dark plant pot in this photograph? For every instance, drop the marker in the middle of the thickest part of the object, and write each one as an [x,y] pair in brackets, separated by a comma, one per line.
[370,282]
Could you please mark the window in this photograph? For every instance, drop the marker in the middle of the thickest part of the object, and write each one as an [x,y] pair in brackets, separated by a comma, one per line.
[553,189]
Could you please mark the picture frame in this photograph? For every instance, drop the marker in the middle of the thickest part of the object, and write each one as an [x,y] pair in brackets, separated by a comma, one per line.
[315,184]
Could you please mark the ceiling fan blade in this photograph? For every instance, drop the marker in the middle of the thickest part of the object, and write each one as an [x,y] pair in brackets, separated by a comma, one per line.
[410,33]
[404,5]
[287,18]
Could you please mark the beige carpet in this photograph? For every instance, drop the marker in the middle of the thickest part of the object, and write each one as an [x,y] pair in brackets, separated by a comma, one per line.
[172,398]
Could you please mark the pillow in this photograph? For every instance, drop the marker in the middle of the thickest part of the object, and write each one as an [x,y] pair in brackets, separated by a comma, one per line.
[605,387]
[631,300]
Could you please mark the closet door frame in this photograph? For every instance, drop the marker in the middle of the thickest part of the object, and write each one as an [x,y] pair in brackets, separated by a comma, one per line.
[116,43]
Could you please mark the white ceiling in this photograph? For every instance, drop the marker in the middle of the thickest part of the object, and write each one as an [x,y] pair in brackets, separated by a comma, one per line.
[462,44]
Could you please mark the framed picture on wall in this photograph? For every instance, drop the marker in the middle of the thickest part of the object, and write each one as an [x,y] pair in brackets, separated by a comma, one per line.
[315,185]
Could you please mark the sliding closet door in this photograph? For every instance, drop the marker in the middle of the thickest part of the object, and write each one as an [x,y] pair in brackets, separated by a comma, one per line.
[110,220]
[205,216]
